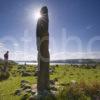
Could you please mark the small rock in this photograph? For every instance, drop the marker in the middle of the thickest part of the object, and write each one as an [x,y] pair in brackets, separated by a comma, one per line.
[26,86]
[32,98]
[73,81]
[56,79]
[28,90]
[63,84]
[17,92]
[24,81]
[50,71]
[34,89]
[52,82]
[53,88]
[26,74]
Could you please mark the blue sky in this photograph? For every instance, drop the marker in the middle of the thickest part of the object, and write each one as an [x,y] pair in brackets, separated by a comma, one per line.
[74,28]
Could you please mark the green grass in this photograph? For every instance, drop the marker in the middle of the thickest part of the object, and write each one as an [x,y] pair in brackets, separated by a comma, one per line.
[64,74]
[9,86]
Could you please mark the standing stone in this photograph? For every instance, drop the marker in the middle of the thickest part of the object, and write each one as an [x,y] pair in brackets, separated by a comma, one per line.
[43,50]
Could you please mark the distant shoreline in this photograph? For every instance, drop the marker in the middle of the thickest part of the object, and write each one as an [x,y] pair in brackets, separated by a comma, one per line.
[22,63]
[63,62]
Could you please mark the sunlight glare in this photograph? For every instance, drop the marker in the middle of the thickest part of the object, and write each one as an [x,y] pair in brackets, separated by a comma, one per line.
[37,15]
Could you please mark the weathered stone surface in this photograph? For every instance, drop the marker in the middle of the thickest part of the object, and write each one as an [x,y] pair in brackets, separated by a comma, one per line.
[34,89]
[43,50]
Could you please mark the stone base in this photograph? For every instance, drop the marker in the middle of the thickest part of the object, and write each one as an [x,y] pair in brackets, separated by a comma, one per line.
[43,96]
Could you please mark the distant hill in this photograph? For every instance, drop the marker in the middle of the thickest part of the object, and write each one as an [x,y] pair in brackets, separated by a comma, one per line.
[77,61]
[70,61]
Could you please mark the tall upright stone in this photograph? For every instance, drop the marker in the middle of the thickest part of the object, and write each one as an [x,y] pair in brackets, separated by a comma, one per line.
[43,50]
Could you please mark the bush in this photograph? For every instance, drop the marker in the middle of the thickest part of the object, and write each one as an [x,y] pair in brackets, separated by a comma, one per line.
[79,91]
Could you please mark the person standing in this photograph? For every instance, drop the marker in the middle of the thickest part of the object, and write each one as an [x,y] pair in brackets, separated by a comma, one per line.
[6,57]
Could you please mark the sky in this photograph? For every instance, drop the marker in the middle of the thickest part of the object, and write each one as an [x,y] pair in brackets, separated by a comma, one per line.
[74,28]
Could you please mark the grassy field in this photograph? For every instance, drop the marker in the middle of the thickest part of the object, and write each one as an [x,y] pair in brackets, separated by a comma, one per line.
[65,74]
[8,87]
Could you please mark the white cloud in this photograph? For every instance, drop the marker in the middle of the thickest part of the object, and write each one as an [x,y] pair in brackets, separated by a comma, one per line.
[32,54]
[15,44]
[1,45]
[75,55]
[20,55]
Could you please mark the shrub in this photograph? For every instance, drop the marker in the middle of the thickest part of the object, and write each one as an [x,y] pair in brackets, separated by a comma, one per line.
[80,91]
